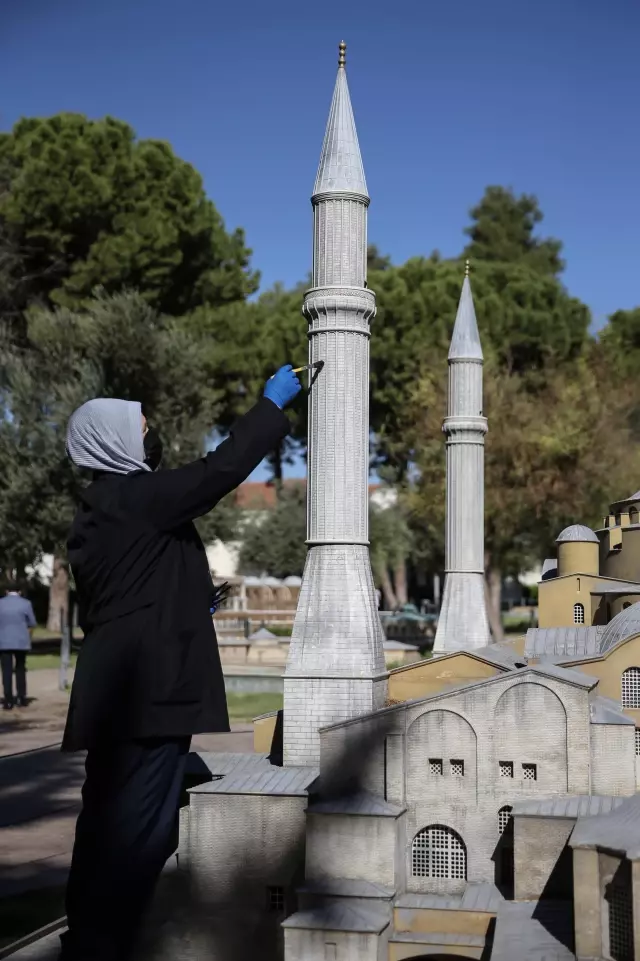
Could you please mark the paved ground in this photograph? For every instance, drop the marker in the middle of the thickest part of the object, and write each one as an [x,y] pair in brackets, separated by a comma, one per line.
[40,787]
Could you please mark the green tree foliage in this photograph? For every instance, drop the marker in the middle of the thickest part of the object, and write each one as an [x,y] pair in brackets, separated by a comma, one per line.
[620,340]
[243,345]
[117,346]
[89,205]
[275,544]
[391,539]
[524,317]
[503,230]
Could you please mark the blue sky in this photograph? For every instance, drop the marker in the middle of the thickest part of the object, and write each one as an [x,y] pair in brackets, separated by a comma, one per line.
[540,95]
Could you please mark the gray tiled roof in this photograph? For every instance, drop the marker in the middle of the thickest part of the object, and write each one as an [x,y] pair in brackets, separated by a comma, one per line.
[533,931]
[619,830]
[604,710]
[481,896]
[360,803]
[577,533]
[572,806]
[549,567]
[342,916]
[616,587]
[623,625]
[253,774]
[565,674]
[499,654]
[347,888]
[577,641]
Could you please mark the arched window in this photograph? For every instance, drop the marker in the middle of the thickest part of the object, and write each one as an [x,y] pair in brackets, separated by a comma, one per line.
[504,818]
[438,852]
[578,613]
[631,687]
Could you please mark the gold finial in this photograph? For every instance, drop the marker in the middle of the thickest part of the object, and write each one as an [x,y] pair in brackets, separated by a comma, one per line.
[342,55]
[466,268]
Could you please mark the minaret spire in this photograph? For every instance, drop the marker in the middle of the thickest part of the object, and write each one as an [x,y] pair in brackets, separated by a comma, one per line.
[335,668]
[463,622]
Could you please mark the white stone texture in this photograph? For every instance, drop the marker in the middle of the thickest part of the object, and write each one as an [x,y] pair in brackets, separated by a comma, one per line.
[336,655]
[347,846]
[613,759]
[523,717]
[463,622]
[326,945]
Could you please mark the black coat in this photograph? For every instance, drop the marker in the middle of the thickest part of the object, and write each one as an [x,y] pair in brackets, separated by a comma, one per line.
[149,664]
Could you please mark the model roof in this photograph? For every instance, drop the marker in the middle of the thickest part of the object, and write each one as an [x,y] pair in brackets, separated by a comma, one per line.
[567,806]
[623,625]
[604,710]
[340,169]
[574,641]
[546,669]
[465,341]
[578,533]
[617,831]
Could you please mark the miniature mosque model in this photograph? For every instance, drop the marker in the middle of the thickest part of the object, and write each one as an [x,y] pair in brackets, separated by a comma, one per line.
[479,804]
[492,809]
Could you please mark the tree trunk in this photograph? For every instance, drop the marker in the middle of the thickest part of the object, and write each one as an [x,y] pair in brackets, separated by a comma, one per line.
[390,601]
[493,595]
[400,581]
[58,595]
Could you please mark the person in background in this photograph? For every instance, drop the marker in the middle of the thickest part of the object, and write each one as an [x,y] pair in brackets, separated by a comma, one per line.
[17,621]
[148,675]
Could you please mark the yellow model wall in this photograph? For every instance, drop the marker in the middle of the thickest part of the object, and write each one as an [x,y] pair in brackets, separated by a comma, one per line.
[432,676]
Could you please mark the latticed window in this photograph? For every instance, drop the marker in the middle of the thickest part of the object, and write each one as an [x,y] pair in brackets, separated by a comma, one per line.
[530,772]
[438,852]
[506,768]
[275,900]
[631,687]
[638,742]
[504,818]
[620,922]
[578,613]
[435,765]
[457,768]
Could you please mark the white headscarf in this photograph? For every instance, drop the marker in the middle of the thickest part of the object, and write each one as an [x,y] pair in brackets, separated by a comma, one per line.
[106,435]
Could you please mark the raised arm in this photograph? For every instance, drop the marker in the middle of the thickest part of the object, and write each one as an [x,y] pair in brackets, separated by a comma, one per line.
[172,497]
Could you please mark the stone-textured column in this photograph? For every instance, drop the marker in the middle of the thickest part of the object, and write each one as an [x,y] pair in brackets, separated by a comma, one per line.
[336,666]
[463,622]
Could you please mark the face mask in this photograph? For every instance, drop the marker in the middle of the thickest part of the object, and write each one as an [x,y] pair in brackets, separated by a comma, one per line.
[152,448]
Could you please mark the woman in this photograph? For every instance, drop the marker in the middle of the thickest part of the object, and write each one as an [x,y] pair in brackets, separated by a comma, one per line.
[149,675]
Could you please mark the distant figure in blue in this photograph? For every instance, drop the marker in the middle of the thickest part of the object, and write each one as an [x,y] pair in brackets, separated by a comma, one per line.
[17,620]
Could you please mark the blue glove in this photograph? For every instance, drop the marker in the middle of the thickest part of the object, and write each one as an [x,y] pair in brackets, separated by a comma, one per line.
[283,387]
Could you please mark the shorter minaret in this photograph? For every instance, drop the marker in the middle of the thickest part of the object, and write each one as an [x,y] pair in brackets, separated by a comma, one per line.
[463,622]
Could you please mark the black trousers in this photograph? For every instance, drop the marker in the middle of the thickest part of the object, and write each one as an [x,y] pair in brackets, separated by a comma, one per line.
[7,659]
[127,829]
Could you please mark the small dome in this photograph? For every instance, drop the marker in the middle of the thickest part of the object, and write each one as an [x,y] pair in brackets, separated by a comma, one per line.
[623,625]
[578,533]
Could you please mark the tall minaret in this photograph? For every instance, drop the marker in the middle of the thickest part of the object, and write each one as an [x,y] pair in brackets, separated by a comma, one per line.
[336,665]
[463,622]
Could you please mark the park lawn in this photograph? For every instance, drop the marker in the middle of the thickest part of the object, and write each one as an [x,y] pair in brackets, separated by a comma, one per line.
[36,662]
[244,707]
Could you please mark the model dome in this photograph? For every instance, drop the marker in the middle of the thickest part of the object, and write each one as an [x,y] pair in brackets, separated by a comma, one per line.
[578,533]
[623,625]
